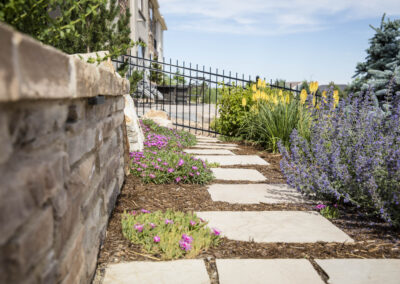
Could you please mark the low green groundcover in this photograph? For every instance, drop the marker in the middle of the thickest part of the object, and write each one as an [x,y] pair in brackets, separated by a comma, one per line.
[170,234]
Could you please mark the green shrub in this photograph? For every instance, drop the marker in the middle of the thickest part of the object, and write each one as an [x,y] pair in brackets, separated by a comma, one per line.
[171,234]
[231,111]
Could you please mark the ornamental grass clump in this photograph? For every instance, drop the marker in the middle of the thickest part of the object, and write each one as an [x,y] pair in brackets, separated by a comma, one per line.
[272,115]
[169,234]
[353,155]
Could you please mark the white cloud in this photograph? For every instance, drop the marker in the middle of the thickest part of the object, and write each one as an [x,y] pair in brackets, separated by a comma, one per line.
[270,17]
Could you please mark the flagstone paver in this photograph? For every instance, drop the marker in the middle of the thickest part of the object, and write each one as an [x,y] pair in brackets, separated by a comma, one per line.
[255,193]
[166,272]
[209,151]
[275,226]
[361,271]
[261,271]
[207,139]
[234,160]
[215,146]
[238,174]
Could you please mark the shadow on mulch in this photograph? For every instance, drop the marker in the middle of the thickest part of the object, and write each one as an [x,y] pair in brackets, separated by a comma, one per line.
[373,238]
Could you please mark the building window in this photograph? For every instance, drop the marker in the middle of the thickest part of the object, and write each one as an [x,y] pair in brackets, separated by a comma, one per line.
[151,11]
[141,49]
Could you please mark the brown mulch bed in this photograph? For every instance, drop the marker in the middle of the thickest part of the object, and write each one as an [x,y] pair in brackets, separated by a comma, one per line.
[373,238]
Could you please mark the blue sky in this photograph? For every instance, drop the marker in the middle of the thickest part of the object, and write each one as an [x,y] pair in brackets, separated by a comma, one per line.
[287,39]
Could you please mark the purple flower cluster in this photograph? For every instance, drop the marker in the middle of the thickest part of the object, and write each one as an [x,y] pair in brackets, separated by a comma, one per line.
[156,140]
[186,242]
[320,206]
[353,155]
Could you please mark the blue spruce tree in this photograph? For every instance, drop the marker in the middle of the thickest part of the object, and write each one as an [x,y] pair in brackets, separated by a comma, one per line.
[381,70]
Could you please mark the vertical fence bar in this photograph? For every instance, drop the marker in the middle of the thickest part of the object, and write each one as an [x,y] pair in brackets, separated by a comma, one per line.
[183,96]
[190,94]
[209,101]
[176,94]
[170,79]
[197,94]
[151,94]
[216,100]
[143,80]
[202,103]
[163,83]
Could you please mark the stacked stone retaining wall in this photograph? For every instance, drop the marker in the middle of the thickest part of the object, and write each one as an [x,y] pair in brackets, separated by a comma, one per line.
[61,161]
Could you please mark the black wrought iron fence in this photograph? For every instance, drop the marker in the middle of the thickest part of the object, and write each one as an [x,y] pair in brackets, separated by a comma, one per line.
[188,93]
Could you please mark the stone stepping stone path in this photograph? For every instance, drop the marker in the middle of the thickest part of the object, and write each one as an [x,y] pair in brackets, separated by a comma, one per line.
[258,226]
[234,160]
[238,174]
[261,271]
[254,193]
[361,271]
[165,272]
[275,226]
[209,151]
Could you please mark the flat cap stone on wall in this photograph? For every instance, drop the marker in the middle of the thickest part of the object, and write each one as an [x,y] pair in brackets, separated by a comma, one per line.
[30,70]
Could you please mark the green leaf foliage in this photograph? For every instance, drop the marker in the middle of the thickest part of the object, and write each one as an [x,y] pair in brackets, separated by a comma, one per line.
[73,26]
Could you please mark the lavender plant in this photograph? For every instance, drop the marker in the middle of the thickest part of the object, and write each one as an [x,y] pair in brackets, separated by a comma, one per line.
[353,155]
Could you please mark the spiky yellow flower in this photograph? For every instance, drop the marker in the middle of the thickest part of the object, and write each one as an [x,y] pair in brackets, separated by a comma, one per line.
[287,99]
[280,93]
[324,96]
[336,97]
[313,87]
[261,83]
[254,87]
[303,96]
[275,100]
[254,109]
[244,102]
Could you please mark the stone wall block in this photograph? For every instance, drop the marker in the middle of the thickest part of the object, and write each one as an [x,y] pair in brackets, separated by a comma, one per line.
[81,144]
[106,127]
[16,204]
[8,77]
[66,225]
[44,71]
[120,105]
[108,150]
[6,144]
[111,194]
[94,234]
[87,77]
[73,258]
[33,124]
[30,246]
[44,177]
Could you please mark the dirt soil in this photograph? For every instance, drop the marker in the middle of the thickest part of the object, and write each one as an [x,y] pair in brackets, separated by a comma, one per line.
[373,238]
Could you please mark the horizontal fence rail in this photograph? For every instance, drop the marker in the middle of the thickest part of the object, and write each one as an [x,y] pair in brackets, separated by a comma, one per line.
[189,94]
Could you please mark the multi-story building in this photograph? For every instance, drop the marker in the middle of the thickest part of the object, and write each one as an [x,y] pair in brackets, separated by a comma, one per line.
[147,26]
